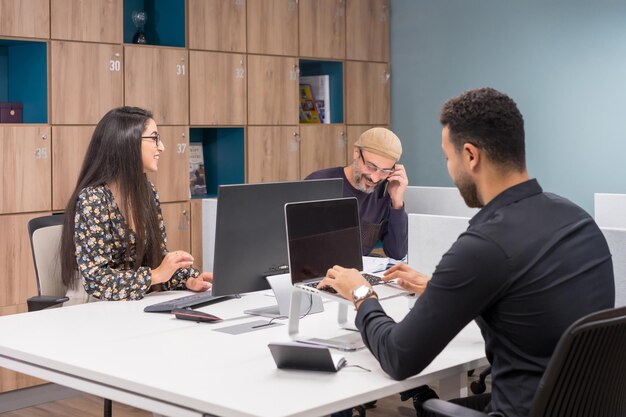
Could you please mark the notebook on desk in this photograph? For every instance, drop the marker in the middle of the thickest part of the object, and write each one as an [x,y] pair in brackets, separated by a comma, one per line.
[320,235]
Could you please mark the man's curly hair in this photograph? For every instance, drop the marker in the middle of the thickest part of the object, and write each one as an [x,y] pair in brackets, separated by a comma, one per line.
[490,121]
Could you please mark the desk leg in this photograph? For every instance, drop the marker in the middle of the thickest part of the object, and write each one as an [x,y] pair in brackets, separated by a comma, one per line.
[453,387]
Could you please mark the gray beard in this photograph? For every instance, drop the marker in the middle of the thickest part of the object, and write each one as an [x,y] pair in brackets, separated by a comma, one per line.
[358,178]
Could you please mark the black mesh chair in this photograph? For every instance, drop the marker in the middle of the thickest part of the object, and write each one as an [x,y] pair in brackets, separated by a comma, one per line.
[45,242]
[586,376]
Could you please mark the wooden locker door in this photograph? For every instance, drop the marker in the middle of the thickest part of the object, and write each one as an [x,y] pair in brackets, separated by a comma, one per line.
[157,79]
[322,146]
[69,145]
[272,90]
[86,81]
[217,88]
[172,178]
[25,18]
[273,27]
[25,165]
[17,271]
[367,93]
[353,135]
[92,21]
[273,153]
[177,225]
[323,28]
[367,30]
[217,25]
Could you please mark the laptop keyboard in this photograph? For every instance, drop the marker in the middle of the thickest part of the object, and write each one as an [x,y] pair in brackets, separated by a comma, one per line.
[371,279]
[183,302]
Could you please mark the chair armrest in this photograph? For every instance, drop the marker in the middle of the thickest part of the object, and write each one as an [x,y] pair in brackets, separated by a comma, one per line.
[445,408]
[44,301]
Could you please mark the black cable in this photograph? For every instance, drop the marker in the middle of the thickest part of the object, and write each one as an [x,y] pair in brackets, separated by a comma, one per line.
[358,366]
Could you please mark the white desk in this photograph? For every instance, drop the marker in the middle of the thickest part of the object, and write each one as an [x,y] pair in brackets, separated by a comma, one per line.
[181,368]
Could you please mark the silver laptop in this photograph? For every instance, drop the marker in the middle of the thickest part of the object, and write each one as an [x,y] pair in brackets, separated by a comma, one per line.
[320,235]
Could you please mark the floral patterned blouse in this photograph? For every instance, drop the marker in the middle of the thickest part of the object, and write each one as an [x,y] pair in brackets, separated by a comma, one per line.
[100,238]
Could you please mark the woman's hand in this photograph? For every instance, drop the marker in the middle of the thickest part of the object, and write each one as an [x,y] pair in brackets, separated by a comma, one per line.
[170,263]
[407,278]
[201,283]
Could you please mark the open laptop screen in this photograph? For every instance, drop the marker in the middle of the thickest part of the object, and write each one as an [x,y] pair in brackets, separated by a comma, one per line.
[322,234]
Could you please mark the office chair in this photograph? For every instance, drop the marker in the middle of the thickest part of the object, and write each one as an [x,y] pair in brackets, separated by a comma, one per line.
[586,376]
[45,242]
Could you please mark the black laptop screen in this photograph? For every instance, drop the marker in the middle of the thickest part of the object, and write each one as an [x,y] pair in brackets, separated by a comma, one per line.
[322,234]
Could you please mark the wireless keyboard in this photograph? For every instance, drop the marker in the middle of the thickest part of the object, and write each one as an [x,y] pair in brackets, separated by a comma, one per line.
[184,302]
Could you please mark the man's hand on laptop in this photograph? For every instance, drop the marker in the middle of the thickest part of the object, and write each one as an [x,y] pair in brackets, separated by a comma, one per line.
[343,280]
[407,278]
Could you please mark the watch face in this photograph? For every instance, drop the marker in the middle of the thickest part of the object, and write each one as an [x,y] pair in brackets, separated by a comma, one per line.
[361,292]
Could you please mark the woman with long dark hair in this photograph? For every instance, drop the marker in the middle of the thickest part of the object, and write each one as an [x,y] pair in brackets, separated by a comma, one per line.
[114,238]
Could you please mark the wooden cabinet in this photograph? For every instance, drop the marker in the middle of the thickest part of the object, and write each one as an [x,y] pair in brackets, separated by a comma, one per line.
[273,27]
[17,273]
[69,145]
[86,80]
[17,282]
[25,165]
[321,146]
[354,132]
[367,93]
[217,25]
[25,18]
[93,21]
[367,30]
[272,90]
[177,226]
[322,28]
[172,178]
[157,79]
[217,88]
[273,153]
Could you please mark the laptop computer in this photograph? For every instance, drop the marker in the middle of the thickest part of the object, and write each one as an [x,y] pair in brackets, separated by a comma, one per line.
[320,235]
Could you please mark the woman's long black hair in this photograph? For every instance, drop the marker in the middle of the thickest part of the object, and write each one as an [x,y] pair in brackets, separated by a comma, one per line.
[114,155]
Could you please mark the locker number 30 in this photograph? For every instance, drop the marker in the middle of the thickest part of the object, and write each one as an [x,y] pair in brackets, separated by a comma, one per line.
[115,65]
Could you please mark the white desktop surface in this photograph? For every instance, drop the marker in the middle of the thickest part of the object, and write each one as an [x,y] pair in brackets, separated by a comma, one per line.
[175,367]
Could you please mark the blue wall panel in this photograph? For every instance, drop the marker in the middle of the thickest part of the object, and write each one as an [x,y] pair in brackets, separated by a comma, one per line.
[563,62]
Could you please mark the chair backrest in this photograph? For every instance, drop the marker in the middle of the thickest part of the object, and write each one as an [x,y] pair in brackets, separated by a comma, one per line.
[610,210]
[430,237]
[443,201]
[45,241]
[586,376]
[616,238]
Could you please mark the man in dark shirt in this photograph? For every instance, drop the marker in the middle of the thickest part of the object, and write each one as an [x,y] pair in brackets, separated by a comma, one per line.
[378,182]
[529,264]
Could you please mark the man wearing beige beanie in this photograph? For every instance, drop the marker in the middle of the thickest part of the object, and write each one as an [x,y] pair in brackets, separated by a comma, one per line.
[378,182]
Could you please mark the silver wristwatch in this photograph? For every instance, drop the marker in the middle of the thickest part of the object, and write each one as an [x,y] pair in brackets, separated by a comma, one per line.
[362,292]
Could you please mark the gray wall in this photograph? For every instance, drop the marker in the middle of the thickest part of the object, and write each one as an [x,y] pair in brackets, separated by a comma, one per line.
[563,62]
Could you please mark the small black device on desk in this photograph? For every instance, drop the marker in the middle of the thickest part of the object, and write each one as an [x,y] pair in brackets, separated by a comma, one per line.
[293,355]
[193,315]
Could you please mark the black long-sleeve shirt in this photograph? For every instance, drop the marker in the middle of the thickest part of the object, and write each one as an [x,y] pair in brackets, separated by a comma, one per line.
[529,265]
[378,219]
